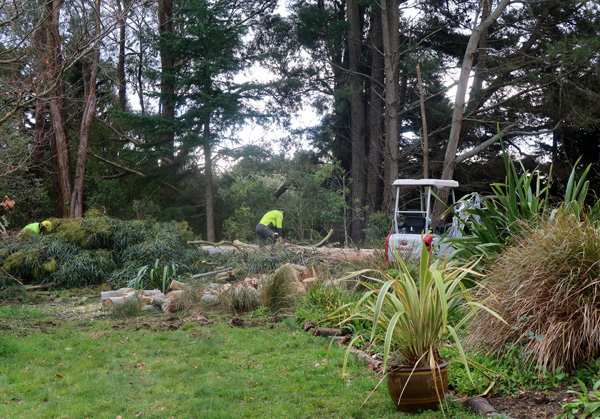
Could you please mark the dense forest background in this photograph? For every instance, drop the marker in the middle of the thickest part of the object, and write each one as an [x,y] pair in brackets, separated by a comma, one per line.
[136,108]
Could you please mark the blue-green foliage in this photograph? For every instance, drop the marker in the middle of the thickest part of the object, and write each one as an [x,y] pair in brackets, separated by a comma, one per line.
[96,250]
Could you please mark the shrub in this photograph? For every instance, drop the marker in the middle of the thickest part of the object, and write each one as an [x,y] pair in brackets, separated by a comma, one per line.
[240,226]
[546,287]
[319,301]
[378,228]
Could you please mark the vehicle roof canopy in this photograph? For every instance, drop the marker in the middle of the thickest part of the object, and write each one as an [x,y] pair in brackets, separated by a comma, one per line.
[438,183]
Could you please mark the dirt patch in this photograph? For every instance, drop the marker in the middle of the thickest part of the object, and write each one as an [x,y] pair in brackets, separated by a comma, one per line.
[532,404]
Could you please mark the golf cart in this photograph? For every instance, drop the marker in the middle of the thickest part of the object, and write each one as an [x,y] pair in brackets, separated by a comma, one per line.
[410,228]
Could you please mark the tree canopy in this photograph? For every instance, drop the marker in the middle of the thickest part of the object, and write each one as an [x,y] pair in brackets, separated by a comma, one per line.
[138,108]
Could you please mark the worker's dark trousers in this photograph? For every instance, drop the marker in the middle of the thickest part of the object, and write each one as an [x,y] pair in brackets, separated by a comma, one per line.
[263,233]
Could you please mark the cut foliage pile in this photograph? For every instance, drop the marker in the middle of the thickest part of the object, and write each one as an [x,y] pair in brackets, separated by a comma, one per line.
[96,250]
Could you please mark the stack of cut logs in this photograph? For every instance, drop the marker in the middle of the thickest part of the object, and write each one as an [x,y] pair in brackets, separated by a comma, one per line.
[145,299]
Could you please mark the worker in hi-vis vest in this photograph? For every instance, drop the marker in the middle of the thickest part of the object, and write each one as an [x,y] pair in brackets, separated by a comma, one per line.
[271,220]
[37,228]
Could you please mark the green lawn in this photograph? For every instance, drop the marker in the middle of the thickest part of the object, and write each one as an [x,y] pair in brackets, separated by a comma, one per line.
[110,368]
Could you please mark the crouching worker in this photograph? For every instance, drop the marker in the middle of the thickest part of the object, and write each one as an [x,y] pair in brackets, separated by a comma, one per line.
[37,228]
[271,220]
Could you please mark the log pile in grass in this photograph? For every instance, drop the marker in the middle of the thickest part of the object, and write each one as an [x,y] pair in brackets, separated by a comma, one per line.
[301,277]
[145,299]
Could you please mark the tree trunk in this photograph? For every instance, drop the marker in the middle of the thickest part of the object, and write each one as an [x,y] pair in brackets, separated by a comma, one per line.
[121,63]
[424,125]
[140,76]
[167,78]
[208,188]
[459,105]
[375,115]
[390,26]
[89,110]
[357,124]
[40,135]
[60,149]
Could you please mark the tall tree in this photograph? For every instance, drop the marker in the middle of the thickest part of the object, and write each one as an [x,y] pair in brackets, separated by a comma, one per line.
[89,111]
[59,141]
[357,122]
[391,44]
[375,113]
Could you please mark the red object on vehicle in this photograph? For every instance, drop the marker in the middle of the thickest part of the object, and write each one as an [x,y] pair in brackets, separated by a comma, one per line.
[387,244]
[427,240]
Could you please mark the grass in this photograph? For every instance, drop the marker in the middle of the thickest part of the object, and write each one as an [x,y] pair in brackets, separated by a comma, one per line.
[21,311]
[141,368]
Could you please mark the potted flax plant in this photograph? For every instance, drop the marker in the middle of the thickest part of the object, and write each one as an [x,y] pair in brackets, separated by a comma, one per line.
[413,316]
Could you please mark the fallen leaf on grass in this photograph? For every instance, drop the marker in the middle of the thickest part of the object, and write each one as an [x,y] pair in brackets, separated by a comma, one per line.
[141,378]
[138,414]
[59,376]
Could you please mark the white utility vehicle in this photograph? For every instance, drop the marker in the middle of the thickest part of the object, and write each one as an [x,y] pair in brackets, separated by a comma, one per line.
[410,229]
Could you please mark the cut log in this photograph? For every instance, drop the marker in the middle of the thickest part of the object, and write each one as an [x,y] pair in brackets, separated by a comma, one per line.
[366,357]
[160,301]
[36,287]
[177,285]
[149,293]
[326,331]
[112,302]
[481,406]
[228,275]
[211,273]
[344,254]
[173,295]
[145,300]
[116,293]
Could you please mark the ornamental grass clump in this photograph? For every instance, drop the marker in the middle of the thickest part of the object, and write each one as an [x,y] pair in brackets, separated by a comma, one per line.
[278,291]
[547,288]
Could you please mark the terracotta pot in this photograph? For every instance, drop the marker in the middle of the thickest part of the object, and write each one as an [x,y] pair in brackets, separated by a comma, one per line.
[423,391]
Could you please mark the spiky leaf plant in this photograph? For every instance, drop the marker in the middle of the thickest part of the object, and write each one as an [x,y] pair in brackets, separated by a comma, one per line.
[521,197]
[415,317]
[547,288]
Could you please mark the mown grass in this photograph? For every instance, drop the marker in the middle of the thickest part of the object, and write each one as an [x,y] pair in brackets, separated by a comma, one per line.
[106,369]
